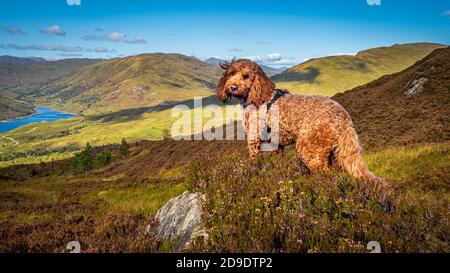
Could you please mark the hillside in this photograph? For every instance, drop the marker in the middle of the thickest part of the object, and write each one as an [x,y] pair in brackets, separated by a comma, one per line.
[14,60]
[137,81]
[330,75]
[278,208]
[408,107]
[13,108]
[20,76]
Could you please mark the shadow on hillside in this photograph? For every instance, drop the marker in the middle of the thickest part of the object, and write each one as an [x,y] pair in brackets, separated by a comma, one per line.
[135,113]
[309,76]
[354,65]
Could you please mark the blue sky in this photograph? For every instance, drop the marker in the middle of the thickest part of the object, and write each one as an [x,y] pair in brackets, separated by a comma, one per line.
[276,33]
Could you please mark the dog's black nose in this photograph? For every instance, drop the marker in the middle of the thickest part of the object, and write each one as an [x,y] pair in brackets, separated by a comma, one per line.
[234,87]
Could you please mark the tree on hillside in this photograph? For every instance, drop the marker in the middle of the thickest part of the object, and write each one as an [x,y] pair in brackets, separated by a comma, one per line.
[103,159]
[83,161]
[124,148]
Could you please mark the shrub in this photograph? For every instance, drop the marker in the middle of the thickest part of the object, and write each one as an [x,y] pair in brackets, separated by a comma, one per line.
[124,148]
[103,159]
[83,161]
[278,207]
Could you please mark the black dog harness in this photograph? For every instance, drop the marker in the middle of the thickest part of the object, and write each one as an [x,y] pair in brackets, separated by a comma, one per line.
[278,94]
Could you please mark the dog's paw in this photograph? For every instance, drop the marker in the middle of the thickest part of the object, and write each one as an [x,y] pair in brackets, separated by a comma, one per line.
[255,165]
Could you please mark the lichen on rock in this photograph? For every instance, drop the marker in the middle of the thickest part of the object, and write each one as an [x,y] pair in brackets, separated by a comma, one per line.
[416,87]
[180,218]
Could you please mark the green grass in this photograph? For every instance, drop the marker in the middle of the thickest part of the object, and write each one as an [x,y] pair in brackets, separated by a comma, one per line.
[143,200]
[274,208]
[330,75]
[42,142]
[401,163]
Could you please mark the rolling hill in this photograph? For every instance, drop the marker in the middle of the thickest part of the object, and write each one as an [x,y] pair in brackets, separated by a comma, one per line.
[20,76]
[405,108]
[13,108]
[24,75]
[330,75]
[14,60]
[131,82]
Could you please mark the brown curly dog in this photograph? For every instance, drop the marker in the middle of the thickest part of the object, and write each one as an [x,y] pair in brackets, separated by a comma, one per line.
[320,127]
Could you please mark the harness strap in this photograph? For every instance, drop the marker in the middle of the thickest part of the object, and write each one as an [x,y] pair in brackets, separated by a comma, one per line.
[278,94]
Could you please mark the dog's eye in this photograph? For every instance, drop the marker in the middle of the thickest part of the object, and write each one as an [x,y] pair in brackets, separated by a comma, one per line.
[245,76]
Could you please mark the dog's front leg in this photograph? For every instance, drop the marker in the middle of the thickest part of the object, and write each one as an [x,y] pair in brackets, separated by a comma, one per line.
[254,148]
[252,126]
[254,151]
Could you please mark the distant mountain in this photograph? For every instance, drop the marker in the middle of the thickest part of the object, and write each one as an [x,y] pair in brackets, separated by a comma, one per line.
[269,70]
[16,60]
[137,81]
[214,61]
[408,107]
[23,77]
[20,76]
[330,75]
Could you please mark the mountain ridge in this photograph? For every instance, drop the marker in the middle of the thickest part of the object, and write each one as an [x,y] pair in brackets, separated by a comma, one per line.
[130,82]
[404,108]
[333,74]
[13,60]
[20,76]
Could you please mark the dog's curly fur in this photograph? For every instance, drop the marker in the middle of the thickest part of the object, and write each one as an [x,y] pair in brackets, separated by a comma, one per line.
[320,127]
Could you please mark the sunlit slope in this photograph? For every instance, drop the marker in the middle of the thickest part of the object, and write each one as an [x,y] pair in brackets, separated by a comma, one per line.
[45,141]
[132,82]
[330,75]
[21,76]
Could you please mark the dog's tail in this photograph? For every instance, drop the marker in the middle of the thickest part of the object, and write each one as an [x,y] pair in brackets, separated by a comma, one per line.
[349,156]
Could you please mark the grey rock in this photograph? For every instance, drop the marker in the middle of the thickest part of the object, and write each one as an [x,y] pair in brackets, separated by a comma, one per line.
[180,218]
[416,87]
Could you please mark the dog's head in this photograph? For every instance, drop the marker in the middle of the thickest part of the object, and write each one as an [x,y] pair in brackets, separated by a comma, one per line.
[245,80]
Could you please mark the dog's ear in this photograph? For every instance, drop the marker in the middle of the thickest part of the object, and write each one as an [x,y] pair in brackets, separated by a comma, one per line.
[262,89]
[221,92]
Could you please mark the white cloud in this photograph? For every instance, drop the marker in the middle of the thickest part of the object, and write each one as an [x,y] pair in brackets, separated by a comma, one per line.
[11,30]
[115,37]
[54,30]
[274,59]
[70,55]
[99,50]
[90,37]
[73,2]
[43,47]
[235,49]
[446,13]
[137,40]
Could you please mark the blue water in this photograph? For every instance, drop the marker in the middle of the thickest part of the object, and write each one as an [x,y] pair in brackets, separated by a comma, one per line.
[43,114]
